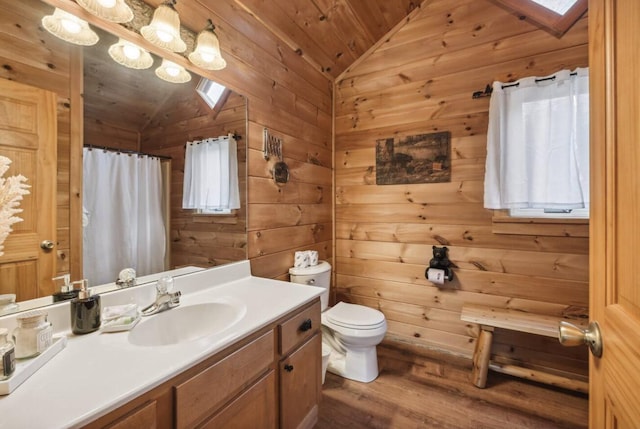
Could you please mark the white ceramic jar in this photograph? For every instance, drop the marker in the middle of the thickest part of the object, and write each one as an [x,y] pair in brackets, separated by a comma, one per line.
[33,334]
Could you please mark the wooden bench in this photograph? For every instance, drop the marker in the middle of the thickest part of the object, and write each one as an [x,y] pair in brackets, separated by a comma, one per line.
[489,318]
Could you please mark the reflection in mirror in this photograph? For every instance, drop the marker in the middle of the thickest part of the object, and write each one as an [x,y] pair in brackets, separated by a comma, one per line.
[126,110]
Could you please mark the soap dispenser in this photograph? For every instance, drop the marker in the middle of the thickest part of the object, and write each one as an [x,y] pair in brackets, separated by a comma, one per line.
[85,310]
[66,290]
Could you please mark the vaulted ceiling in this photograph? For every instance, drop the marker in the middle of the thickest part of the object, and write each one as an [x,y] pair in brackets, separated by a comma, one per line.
[331,35]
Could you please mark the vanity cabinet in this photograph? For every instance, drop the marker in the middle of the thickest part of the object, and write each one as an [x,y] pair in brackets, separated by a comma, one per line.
[300,369]
[270,380]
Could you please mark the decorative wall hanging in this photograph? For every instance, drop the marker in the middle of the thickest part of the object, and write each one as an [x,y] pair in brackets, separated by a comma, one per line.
[272,147]
[422,158]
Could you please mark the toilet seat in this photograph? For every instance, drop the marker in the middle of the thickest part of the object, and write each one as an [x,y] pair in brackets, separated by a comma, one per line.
[353,316]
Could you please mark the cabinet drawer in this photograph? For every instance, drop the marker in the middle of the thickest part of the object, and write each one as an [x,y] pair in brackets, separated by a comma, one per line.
[298,328]
[255,408]
[204,393]
[142,417]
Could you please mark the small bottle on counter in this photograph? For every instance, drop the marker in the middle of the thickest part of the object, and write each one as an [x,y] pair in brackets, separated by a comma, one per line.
[7,355]
[85,310]
[33,334]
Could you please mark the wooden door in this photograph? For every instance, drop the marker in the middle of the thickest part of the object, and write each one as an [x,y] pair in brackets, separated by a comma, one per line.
[614,58]
[28,132]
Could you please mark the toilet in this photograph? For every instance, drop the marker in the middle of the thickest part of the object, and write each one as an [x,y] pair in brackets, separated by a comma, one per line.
[350,331]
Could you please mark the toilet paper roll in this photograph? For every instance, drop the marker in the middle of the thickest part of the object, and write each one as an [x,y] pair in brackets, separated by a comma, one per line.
[301,259]
[435,275]
[313,257]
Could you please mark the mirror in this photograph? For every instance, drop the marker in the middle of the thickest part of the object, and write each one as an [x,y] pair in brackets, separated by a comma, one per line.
[129,110]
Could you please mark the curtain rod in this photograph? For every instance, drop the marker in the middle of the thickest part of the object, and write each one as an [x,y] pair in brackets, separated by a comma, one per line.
[489,89]
[235,136]
[127,152]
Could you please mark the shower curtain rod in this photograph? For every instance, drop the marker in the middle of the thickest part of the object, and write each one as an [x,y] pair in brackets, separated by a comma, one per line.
[127,152]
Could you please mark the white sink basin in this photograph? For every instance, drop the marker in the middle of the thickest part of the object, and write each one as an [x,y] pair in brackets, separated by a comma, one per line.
[186,323]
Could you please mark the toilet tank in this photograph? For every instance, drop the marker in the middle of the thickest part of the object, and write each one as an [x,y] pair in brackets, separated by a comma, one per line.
[316,275]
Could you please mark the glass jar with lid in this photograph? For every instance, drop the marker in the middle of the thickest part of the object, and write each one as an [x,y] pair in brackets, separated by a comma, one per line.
[33,334]
[7,355]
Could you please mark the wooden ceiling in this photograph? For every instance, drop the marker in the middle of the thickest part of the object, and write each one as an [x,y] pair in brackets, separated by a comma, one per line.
[331,35]
[131,99]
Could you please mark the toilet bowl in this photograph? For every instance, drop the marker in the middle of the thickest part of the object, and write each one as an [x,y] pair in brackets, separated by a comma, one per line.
[351,331]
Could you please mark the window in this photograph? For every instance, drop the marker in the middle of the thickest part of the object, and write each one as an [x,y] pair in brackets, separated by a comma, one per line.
[210,91]
[556,16]
[560,7]
[551,213]
[211,176]
[538,145]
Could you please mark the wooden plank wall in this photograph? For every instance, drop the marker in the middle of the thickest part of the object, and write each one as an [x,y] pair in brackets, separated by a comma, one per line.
[294,102]
[201,240]
[102,134]
[29,55]
[420,80]
[283,92]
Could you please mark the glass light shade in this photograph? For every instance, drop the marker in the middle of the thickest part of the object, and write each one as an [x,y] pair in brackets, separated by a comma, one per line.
[109,10]
[69,28]
[164,29]
[130,55]
[172,72]
[207,53]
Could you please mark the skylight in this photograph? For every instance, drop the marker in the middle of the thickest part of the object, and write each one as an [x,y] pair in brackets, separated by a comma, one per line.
[558,6]
[210,91]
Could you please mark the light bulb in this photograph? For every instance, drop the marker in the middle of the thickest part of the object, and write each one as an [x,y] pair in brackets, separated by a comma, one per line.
[71,25]
[206,57]
[164,35]
[131,52]
[107,3]
[172,70]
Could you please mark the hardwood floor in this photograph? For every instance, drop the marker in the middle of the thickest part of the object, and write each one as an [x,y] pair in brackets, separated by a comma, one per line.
[419,388]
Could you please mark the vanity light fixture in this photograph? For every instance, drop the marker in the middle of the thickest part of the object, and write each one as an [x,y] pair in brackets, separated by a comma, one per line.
[130,55]
[207,53]
[164,29]
[69,28]
[109,10]
[172,72]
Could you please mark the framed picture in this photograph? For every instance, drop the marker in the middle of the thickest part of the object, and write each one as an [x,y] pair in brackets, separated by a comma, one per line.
[422,158]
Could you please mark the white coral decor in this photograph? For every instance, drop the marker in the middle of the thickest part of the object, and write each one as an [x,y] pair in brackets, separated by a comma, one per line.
[12,189]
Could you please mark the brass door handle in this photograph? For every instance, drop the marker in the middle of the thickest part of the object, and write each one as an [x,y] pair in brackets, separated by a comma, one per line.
[47,245]
[571,335]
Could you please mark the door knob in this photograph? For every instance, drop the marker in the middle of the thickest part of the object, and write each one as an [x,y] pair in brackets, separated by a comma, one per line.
[47,245]
[571,335]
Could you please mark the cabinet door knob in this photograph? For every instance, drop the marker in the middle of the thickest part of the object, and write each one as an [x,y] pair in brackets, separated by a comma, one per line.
[288,368]
[306,325]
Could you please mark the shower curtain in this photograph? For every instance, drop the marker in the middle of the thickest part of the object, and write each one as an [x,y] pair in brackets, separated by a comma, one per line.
[123,217]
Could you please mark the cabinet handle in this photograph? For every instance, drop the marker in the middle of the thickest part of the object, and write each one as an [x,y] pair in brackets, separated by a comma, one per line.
[306,325]
[288,367]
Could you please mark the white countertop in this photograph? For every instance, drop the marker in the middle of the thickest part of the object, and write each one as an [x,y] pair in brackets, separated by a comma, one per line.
[98,372]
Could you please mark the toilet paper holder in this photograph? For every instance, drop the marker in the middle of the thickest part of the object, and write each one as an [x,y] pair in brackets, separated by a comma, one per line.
[440,261]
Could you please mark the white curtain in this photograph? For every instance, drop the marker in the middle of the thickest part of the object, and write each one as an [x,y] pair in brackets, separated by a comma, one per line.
[122,199]
[211,175]
[538,143]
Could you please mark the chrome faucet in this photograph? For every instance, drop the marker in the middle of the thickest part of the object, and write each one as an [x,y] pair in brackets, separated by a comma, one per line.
[165,299]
